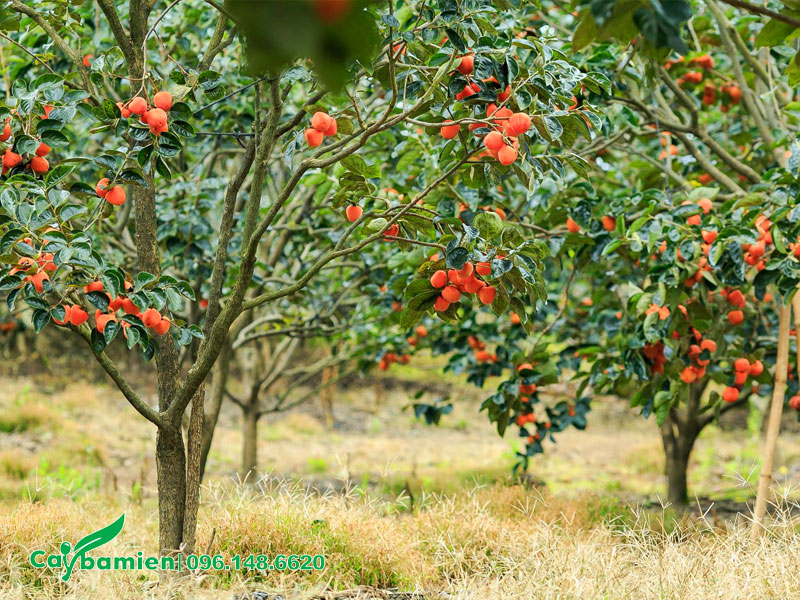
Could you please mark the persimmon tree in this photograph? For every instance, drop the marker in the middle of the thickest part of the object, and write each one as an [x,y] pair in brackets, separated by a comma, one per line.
[690,227]
[166,164]
[659,287]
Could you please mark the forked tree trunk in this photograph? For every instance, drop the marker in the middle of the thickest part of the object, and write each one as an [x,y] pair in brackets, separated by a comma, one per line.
[216,394]
[193,476]
[249,443]
[171,474]
[775,414]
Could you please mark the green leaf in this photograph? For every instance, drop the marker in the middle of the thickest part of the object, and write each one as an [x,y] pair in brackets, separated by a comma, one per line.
[183,129]
[143,156]
[208,80]
[40,319]
[774,33]
[132,176]
[143,278]
[489,224]
[98,342]
[162,168]
[110,331]
[54,138]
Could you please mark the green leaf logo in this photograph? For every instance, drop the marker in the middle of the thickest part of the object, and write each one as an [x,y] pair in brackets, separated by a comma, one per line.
[90,542]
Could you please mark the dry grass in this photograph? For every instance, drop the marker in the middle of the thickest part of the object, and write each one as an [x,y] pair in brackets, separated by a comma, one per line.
[488,542]
[24,417]
[86,458]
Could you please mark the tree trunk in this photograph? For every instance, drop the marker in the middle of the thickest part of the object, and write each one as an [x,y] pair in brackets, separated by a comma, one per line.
[774,422]
[326,397]
[676,468]
[193,476]
[678,437]
[249,443]
[171,473]
[217,394]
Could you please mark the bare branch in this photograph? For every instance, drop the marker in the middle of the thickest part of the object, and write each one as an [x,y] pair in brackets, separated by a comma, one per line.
[122,384]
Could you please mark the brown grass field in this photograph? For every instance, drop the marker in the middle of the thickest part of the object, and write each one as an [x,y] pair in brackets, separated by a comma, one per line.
[393,504]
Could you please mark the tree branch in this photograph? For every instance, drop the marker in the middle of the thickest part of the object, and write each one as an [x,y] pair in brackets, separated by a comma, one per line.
[122,384]
[761,10]
[122,37]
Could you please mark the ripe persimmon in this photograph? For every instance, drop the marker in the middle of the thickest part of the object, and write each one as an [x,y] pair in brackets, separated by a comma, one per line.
[392,231]
[466,271]
[353,213]
[709,236]
[483,268]
[439,279]
[151,317]
[162,100]
[123,110]
[101,189]
[517,124]
[330,11]
[161,327]
[735,317]
[137,105]
[11,159]
[441,304]
[449,131]
[102,319]
[506,155]
[730,394]
[77,316]
[688,375]
[321,121]
[156,118]
[116,195]
[504,95]
[332,128]
[39,164]
[572,226]
[736,298]
[756,368]
[709,345]
[609,223]
[486,295]
[467,64]
[43,149]
[494,141]
[451,293]
[313,137]
[705,204]
[422,331]
[129,307]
